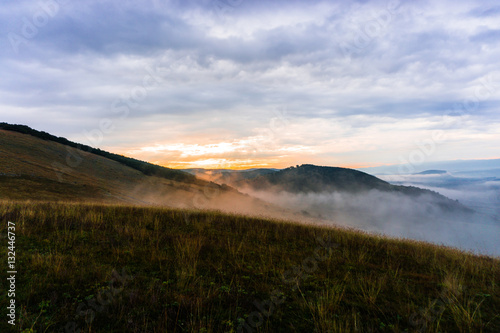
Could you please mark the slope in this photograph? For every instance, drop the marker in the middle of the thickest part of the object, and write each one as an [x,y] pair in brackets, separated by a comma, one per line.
[145,167]
[37,169]
[150,270]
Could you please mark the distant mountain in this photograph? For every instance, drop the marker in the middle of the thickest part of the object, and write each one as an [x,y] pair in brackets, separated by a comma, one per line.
[432,172]
[450,166]
[320,179]
[312,178]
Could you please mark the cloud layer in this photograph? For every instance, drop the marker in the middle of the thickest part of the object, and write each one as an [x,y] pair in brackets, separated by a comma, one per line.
[274,83]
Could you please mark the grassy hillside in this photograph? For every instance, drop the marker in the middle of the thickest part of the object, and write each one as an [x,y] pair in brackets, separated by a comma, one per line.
[31,168]
[131,269]
[144,167]
[37,169]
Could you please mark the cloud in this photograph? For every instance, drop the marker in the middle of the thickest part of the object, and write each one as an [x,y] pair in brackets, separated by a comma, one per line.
[479,190]
[396,216]
[226,66]
[488,36]
[486,11]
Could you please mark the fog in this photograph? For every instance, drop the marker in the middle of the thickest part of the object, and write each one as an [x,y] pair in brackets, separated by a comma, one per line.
[388,213]
[395,215]
[164,193]
[479,193]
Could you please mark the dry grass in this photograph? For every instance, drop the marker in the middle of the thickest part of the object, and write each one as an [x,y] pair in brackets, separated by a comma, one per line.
[207,272]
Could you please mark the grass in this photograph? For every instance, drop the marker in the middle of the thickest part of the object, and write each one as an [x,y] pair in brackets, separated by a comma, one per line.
[118,268]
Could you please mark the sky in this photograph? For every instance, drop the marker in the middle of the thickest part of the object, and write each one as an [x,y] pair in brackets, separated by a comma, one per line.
[242,84]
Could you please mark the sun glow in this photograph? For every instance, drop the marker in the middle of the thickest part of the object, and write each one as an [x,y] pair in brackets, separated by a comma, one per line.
[238,154]
[214,163]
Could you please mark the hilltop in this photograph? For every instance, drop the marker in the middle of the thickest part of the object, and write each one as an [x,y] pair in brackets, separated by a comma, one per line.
[309,178]
[312,178]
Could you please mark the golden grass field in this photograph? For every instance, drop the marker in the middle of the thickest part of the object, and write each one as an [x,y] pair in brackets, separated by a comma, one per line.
[123,268]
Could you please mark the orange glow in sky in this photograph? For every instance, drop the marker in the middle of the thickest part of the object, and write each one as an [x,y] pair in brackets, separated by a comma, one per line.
[239,154]
[236,156]
[213,163]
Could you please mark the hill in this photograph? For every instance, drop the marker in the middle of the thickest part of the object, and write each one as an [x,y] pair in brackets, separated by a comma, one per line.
[35,168]
[99,268]
[144,167]
[127,265]
[319,179]
[312,178]
[82,172]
